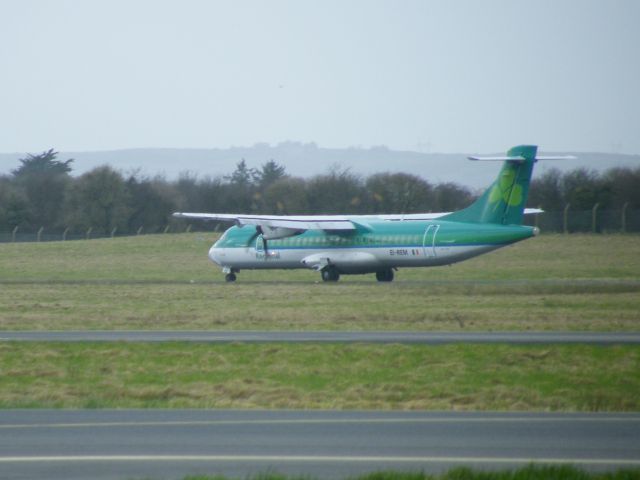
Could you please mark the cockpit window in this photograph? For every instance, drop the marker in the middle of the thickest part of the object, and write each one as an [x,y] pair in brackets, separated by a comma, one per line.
[221,240]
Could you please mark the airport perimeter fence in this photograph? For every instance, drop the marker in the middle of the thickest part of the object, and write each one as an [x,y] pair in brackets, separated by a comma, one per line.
[564,221]
[18,234]
[595,220]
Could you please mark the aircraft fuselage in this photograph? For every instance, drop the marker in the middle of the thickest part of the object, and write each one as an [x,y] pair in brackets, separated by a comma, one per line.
[371,247]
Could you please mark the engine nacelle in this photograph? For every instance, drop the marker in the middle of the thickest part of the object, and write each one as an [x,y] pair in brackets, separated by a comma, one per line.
[273,233]
[346,262]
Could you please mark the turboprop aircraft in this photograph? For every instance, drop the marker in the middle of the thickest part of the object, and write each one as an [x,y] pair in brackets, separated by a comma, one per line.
[381,244]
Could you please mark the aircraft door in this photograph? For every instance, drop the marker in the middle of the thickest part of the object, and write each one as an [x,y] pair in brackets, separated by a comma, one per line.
[260,252]
[429,241]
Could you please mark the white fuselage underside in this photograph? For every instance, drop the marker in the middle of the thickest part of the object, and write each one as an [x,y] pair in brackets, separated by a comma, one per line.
[347,260]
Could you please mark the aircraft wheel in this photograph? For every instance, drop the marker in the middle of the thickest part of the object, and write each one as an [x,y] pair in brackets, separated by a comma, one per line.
[330,274]
[230,277]
[384,275]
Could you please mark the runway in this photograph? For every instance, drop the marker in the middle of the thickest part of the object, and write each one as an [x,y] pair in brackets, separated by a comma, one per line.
[427,338]
[161,444]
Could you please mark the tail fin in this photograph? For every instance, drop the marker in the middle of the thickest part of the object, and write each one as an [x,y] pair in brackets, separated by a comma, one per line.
[503,202]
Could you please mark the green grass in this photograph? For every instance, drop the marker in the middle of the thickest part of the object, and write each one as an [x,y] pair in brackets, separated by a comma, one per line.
[577,282]
[531,472]
[183,257]
[552,282]
[450,377]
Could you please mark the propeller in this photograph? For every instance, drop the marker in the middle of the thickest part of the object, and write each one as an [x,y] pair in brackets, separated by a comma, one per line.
[253,237]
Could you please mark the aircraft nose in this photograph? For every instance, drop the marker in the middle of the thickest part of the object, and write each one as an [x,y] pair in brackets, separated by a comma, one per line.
[214,255]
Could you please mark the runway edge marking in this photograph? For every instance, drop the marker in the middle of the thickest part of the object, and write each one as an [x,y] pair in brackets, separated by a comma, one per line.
[311,459]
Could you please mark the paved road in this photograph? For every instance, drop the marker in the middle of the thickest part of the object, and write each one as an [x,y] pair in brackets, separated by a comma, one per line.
[115,444]
[430,338]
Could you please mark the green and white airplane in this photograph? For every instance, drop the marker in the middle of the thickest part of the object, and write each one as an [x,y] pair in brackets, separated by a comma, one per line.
[381,244]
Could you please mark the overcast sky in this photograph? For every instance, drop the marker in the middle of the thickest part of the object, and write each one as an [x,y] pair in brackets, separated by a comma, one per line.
[440,76]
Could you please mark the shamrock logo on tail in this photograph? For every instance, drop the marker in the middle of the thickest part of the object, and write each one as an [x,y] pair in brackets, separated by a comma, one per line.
[502,190]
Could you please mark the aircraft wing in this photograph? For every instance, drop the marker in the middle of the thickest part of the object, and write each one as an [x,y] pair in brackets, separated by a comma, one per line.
[315,222]
[296,222]
[305,222]
[398,217]
[421,216]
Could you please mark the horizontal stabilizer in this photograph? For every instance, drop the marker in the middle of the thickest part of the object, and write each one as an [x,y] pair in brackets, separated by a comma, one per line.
[522,159]
[503,202]
[497,159]
[556,157]
[533,211]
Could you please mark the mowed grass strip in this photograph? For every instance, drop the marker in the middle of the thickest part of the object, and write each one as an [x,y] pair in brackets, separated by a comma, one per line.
[530,472]
[554,282]
[183,258]
[457,377]
[303,306]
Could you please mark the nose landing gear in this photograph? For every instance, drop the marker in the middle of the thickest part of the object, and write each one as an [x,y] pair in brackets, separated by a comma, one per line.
[230,274]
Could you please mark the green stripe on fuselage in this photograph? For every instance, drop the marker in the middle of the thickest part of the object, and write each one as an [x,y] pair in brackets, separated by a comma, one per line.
[386,234]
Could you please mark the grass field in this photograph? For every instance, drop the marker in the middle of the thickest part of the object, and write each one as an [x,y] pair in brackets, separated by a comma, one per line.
[531,472]
[576,282]
[453,377]
[551,282]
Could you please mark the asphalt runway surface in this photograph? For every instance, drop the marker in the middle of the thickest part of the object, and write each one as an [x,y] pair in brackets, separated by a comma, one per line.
[163,444]
[427,338]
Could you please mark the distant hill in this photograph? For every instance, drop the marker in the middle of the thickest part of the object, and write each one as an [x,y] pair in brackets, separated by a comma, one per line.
[308,159]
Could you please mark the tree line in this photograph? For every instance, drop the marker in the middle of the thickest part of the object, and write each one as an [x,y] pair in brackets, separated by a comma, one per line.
[41,192]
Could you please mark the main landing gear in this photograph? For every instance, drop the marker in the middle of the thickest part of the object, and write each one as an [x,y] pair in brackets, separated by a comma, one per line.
[330,274]
[385,275]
